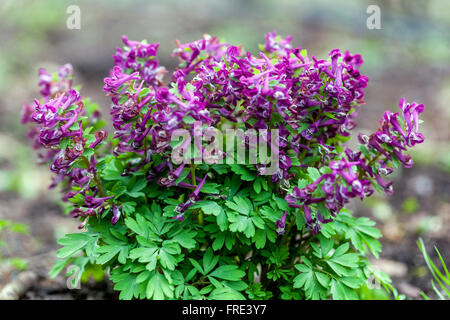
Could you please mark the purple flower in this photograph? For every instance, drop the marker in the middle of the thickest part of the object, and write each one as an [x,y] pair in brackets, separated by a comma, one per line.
[140,57]
[193,198]
[116,214]
[280,224]
[93,202]
[191,54]
[118,79]
[411,113]
[171,177]
[50,86]
[275,43]
[99,137]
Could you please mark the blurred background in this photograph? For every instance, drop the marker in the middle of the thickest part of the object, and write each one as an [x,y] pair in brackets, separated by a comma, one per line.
[409,56]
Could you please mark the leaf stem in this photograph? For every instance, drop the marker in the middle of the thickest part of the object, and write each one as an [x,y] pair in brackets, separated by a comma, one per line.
[194,181]
[96,179]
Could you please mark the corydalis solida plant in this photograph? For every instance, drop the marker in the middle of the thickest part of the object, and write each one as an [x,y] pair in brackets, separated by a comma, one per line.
[221,231]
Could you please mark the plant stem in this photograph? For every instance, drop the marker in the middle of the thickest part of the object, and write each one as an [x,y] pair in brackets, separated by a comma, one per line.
[200,217]
[96,179]
[194,182]
[286,237]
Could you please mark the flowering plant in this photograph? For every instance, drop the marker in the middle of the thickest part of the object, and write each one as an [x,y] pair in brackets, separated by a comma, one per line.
[176,219]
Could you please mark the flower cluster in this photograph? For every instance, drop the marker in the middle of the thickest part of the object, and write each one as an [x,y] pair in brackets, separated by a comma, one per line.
[50,85]
[57,132]
[310,101]
[355,174]
[140,57]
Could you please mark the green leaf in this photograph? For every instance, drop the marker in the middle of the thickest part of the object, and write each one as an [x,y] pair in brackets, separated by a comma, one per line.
[110,251]
[186,239]
[210,187]
[138,226]
[352,282]
[325,245]
[74,242]
[270,213]
[113,171]
[158,287]
[260,239]
[219,241]
[64,143]
[243,224]
[323,279]
[167,259]
[220,169]
[208,207]
[209,260]
[137,185]
[197,266]
[257,185]
[302,268]
[145,255]
[315,284]
[347,260]
[59,265]
[125,283]
[340,291]
[281,203]
[182,176]
[225,293]
[222,221]
[360,231]
[338,269]
[313,173]
[240,205]
[243,172]
[228,272]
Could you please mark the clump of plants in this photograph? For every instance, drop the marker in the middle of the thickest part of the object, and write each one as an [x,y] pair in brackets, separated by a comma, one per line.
[441,280]
[169,216]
